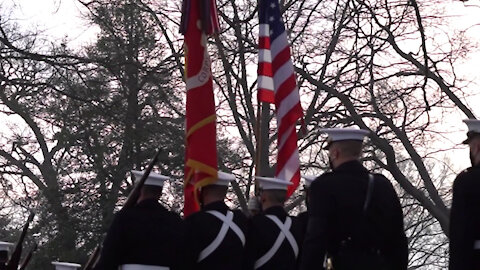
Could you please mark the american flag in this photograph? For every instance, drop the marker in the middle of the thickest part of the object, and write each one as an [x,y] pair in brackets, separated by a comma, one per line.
[277,84]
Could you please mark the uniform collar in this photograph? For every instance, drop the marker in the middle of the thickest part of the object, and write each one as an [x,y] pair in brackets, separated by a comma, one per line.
[278,211]
[218,205]
[350,166]
[149,203]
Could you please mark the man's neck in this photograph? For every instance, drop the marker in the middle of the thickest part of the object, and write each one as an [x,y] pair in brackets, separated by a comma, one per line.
[342,161]
[267,205]
[207,201]
[144,198]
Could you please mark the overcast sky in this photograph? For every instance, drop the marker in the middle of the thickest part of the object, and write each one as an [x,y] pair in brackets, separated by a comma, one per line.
[62,18]
[59,18]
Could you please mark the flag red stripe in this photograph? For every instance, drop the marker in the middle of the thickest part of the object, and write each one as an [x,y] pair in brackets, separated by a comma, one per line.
[287,150]
[281,58]
[290,119]
[296,181]
[285,89]
[265,95]
[264,43]
[265,69]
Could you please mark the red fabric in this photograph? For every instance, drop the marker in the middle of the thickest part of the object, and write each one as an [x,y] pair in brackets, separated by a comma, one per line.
[266,95]
[201,146]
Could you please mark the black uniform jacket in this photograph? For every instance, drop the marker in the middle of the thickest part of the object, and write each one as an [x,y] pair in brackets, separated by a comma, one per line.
[201,230]
[336,213]
[262,234]
[465,221]
[302,219]
[144,234]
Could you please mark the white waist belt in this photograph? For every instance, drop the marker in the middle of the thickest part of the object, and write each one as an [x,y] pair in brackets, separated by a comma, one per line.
[142,267]
[476,244]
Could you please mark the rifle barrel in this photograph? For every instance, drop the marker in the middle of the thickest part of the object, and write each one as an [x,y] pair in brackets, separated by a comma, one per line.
[93,259]
[28,258]
[17,252]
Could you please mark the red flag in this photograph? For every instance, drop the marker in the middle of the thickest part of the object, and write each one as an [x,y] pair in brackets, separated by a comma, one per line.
[277,84]
[201,147]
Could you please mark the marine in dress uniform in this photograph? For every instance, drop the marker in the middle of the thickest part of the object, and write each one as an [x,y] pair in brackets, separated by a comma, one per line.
[274,238]
[355,217]
[465,212]
[4,254]
[215,236]
[146,236]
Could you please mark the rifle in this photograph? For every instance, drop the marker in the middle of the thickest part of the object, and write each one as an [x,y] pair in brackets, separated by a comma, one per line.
[92,260]
[28,258]
[130,202]
[17,252]
[135,193]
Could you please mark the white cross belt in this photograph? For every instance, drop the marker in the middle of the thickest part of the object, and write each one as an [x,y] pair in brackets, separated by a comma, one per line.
[227,224]
[284,233]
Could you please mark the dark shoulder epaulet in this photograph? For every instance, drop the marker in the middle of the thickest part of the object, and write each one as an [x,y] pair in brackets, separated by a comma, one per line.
[379,175]
[124,213]
[193,216]
[380,178]
[174,214]
[324,176]
[237,211]
[467,170]
[463,177]
[304,213]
